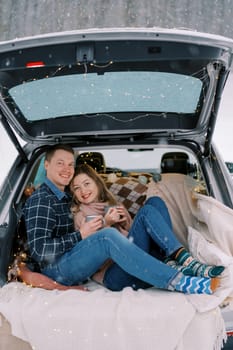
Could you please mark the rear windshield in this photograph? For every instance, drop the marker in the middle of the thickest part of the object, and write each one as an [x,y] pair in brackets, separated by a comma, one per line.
[110,92]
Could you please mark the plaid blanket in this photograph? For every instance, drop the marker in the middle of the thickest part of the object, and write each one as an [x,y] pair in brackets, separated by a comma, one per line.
[130,192]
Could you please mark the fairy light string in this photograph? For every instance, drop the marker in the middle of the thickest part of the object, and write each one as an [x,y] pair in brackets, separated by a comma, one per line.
[201,74]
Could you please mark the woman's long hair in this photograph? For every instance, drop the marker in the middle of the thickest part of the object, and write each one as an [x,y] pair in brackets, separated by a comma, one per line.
[104,194]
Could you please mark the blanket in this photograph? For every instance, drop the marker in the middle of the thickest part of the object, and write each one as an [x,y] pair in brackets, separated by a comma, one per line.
[203,225]
[215,222]
[176,190]
[101,319]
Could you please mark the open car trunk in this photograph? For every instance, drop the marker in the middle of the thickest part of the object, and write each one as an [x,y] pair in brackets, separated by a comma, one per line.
[140,105]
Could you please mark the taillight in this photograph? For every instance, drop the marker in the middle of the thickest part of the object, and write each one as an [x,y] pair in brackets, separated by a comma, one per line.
[35,64]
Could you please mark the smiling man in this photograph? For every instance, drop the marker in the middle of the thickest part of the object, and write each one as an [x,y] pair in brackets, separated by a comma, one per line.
[47,216]
[59,165]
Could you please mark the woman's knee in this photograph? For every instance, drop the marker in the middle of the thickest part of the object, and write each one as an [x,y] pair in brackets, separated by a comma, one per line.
[156,202]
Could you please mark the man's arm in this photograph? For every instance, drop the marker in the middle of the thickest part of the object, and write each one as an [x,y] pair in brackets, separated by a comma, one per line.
[46,241]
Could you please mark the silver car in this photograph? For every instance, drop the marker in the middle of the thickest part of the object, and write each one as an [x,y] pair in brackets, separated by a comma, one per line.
[136,104]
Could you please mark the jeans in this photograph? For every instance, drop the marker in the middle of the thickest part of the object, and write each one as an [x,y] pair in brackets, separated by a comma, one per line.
[88,255]
[152,224]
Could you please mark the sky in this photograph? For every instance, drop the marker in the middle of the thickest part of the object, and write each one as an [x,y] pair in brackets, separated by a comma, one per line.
[222,136]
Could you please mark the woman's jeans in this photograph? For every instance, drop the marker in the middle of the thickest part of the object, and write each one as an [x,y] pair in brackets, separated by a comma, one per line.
[88,255]
[152,224]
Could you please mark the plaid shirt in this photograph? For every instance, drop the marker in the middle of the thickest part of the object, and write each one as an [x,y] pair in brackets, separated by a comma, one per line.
[49,224]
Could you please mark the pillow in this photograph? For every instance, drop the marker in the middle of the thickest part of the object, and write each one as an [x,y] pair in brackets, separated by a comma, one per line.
[209,253]
[130,192]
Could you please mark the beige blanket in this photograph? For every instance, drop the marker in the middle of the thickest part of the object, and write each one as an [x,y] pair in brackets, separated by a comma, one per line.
[188,208]
[176,190]
[203,225]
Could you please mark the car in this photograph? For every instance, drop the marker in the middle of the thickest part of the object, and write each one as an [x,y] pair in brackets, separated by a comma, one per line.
[140,106]
[230,167]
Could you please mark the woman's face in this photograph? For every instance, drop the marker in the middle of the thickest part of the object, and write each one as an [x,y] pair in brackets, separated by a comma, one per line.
[85,189]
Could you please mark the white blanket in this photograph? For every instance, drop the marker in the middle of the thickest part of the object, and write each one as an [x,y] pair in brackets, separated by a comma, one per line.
[209,253]
[103,320]
[215,222]
[146,319]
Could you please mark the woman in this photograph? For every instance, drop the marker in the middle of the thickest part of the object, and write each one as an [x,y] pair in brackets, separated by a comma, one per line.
[91,197]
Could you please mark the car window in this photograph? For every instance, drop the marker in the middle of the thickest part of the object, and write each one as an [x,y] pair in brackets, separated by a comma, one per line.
[230,167]
[110,92]
[124,161]
[137,159]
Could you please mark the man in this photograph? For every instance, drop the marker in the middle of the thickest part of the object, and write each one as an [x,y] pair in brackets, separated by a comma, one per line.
[47,216]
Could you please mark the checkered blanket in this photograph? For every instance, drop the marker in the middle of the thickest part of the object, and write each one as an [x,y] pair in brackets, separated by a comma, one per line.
[130,192]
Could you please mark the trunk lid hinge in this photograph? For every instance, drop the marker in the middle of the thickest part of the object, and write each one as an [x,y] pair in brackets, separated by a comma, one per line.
[13,138]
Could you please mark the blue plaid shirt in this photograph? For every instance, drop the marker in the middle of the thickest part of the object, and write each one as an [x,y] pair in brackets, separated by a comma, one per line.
[49,224]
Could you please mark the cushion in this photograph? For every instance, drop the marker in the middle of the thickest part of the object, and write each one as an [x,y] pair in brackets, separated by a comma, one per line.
[130,192]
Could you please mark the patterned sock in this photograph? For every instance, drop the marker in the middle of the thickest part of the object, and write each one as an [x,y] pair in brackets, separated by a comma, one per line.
[196,268]
[194,285]
[186,270]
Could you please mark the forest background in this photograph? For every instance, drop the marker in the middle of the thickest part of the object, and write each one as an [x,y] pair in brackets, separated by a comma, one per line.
[19,18]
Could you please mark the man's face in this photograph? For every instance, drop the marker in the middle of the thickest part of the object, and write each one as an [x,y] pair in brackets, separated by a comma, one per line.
[60,169]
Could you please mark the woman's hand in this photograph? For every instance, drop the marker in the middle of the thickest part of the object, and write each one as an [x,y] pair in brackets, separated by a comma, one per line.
[90,227]
[115,215]
[111,217]
[124,217]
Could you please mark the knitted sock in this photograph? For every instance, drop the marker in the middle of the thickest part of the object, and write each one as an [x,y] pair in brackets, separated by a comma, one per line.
[194,285]
[196,268]
[186,270]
